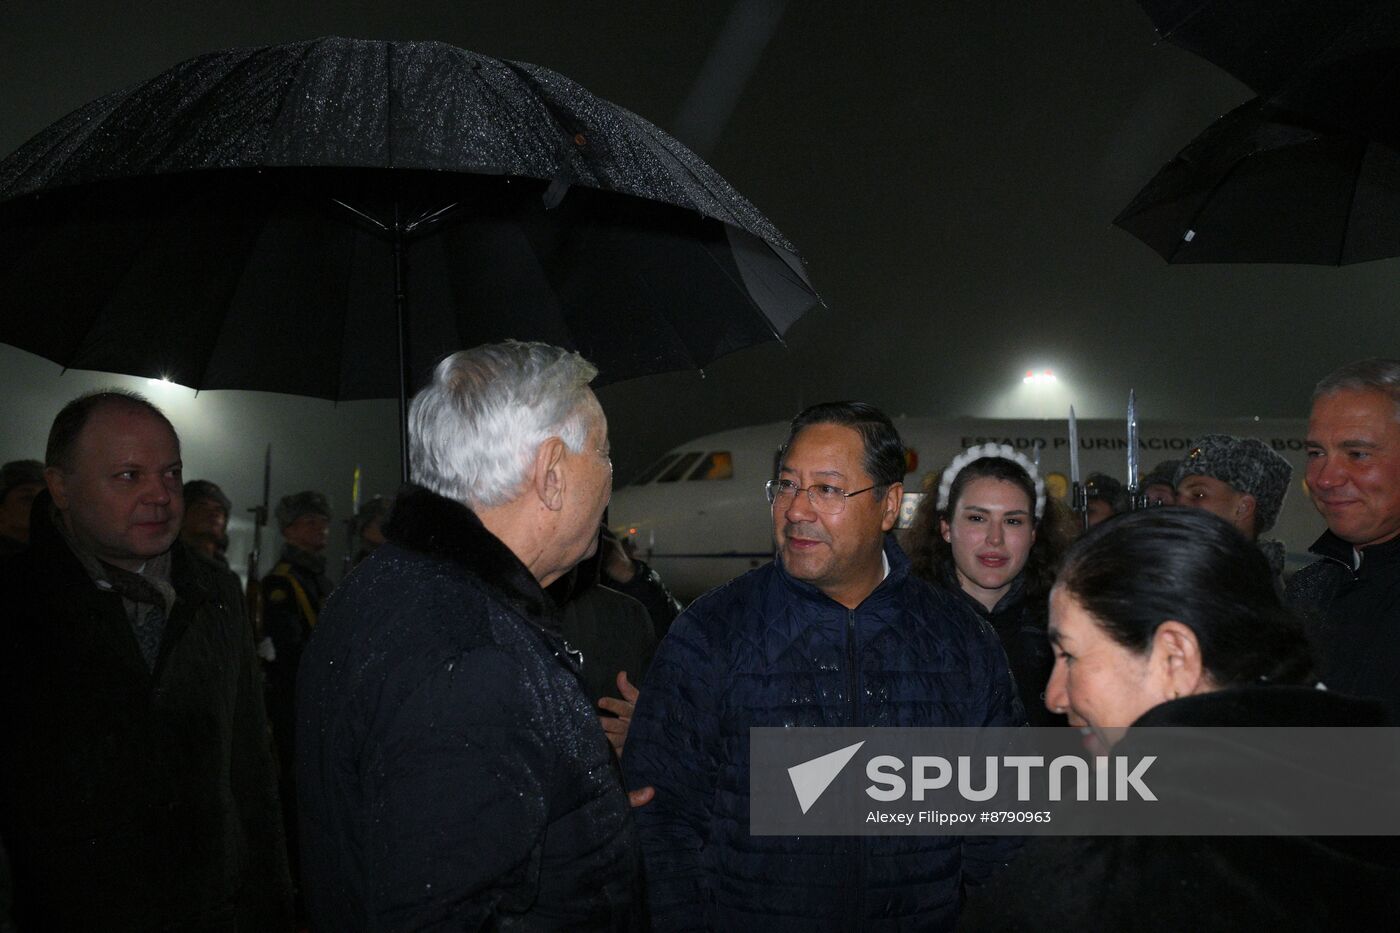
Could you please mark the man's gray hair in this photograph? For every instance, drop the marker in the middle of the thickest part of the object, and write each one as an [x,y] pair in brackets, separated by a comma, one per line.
[1375,374]
[473,432]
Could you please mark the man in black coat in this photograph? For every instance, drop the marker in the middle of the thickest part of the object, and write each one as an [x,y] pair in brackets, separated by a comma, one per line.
[1350,597]
[136,780]
[452,772]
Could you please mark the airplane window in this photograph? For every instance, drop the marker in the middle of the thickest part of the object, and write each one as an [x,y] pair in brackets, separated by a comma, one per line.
[653,471]
[718,465]
[680,468]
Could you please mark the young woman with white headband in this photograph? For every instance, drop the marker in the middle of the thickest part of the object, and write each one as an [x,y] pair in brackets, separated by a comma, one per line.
[990,534]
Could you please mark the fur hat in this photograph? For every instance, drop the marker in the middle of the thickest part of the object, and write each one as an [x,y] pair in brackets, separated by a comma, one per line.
[197,489]
[298,504]
[372,509]
[20,473]
[1245,465]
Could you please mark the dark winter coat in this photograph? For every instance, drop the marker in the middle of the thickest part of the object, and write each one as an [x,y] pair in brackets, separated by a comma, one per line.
[1353,618]
[1022,626]
[452,774]
[606,631]
[1221,883]
[293,594]
[132,799]
[611,633]
[647,588]
[769,650]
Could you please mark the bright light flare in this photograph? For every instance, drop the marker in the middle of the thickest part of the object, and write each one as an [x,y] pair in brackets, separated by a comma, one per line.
[1033,378]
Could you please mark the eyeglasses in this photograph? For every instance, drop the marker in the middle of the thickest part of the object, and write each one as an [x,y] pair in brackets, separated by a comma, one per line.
[830,500]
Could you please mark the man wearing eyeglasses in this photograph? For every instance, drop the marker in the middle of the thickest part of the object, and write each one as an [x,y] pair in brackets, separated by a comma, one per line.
[836,631]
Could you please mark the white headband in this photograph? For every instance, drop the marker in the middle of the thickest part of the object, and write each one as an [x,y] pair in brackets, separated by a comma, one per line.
[984,452]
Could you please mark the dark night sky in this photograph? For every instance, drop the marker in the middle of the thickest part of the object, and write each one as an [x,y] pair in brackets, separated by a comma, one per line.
[949,170]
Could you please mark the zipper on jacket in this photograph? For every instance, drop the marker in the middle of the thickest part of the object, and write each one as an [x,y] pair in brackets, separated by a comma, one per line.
[857,842]
[852,671]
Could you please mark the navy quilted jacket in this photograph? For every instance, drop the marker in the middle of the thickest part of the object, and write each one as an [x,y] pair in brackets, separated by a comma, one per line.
[768,650]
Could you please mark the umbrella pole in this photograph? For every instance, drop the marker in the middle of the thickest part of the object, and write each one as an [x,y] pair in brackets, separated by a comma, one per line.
[401,319]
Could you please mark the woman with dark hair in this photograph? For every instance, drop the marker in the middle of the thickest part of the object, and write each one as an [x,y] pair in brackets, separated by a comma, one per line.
[1169,617]
[1166,605]
[991,535]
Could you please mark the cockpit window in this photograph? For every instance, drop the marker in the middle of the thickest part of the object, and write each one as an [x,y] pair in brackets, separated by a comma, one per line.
[717,465]
[680,467]
[653,471]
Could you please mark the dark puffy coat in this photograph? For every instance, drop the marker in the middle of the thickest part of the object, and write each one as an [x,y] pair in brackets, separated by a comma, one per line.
[1022,626]
[1353,618]
[768,650]
[132,800]
[452,774]
[1204,883]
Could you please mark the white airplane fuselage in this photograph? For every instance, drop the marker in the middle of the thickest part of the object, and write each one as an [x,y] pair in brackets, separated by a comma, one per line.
[702,518]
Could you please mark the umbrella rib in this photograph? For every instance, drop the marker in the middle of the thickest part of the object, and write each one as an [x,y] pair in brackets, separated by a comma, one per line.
[305,53]
[233,288]
[389,106]
[1205,202]
[748,298]
[1351,206]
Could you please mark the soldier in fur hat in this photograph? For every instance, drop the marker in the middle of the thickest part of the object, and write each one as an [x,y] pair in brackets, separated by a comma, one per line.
[1240,479]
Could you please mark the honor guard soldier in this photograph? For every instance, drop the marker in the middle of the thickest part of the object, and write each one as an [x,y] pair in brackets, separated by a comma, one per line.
[293,593]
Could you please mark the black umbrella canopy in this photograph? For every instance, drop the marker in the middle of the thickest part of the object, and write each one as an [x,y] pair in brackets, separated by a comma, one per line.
[1260,186]
[248,218]
[1335,61]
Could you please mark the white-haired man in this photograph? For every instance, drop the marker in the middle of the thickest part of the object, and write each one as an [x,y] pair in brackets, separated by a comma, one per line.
[1351,595]
[451,770]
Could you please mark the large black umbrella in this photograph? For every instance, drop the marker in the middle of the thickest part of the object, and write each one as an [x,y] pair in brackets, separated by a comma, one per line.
[283,218]
[1260,186]
[1335,61]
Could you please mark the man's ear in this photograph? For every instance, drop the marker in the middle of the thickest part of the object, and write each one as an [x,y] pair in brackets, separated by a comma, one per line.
[889,515]
[1176,660]
[53,478]
[547,473]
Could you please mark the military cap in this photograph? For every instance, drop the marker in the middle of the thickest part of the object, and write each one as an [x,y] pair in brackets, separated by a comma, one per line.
[197,489]
[20,473]
[298,504]
[1164,473]
[376,507]
[1102,486]
[1245,465]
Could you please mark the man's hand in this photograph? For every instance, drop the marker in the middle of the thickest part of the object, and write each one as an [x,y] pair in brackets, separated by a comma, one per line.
[616,725]
[616,728]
